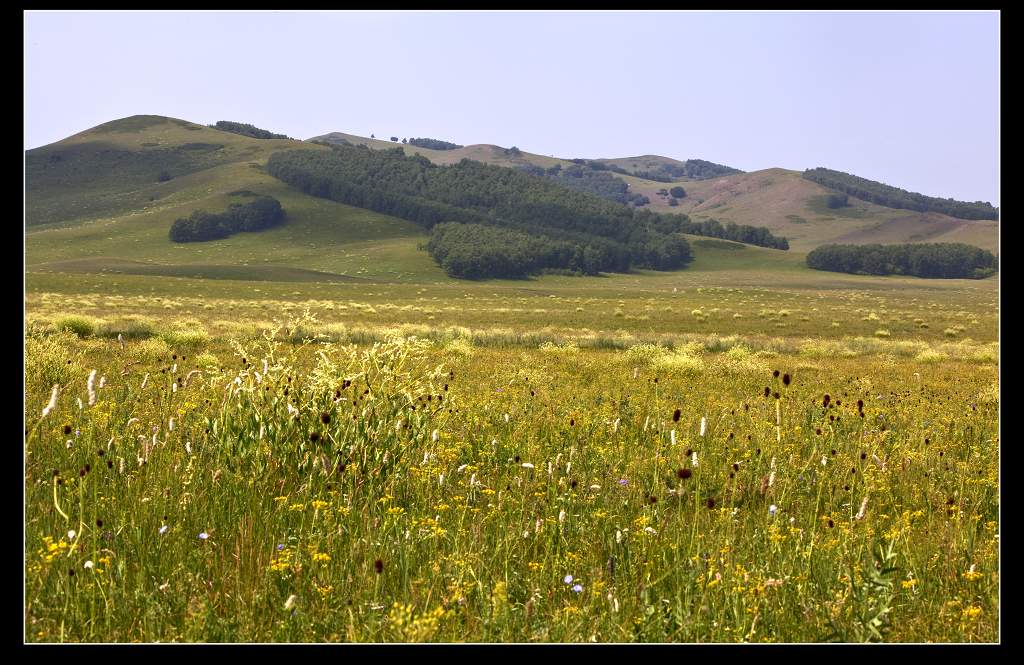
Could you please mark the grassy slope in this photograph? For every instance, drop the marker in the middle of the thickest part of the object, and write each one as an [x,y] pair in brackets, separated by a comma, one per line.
[129,233]
[793,207]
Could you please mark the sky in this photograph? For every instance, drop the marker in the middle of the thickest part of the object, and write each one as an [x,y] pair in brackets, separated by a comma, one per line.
[907,98]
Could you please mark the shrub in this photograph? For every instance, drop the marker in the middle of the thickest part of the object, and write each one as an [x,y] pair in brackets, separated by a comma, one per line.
[83,326]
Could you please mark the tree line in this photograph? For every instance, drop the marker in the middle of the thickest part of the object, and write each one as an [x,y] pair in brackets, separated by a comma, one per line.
[596,181]
[565,229]
[246,130]
[434,144]
[261,213]
[894,197]
[931,260]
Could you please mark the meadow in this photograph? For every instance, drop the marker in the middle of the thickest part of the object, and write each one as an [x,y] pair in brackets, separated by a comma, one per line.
[741,451]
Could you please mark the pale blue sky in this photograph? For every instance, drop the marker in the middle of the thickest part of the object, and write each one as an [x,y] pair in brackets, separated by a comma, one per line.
[908,98]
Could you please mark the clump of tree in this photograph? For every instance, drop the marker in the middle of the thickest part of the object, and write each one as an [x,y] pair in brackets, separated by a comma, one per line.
[472,193]
[592,178]
[434,144]
[699,169]
[262,212]
[246,130]
[894,197]
[692,169]
[931,260]
[678,192]
[751,235]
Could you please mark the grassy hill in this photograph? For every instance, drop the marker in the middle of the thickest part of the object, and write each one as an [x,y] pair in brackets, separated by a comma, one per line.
[793,207]
[103,201]
[102,208]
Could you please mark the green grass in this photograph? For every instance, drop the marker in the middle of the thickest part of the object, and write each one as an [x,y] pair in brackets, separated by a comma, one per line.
[295,526]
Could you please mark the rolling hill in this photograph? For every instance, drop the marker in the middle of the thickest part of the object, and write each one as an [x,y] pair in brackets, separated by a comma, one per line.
[103,200]
[779,199]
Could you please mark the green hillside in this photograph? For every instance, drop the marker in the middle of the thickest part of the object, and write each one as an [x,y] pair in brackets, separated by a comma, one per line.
[84,215]
[103,201]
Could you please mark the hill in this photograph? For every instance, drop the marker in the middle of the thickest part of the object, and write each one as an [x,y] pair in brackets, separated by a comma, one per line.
[102,207]
[791,206]
[105,199]
[781,200]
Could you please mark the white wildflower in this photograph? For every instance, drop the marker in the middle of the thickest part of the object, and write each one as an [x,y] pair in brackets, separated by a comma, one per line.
[615,425]
[53,400]
[120,340]
[462,468]
[88,564]
[434,436]
[78,400]
[618,536]
[595,487]
[91,385]
[703,425]
[188,447]
[636,372]
[673,437]
[103,381]
[71,534]
[772,509]
[694,459]
[290,603]
[292,411]
[506,418]
[170,424]
[527,465]
[863,507]
[174,368]
[145,380]
[561,516]
[440,479]
[650,531]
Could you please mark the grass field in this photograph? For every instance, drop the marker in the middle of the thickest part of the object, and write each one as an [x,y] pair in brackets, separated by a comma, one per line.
[312,434]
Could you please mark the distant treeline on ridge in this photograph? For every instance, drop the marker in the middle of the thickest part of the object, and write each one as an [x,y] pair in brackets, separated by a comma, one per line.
[934,260]
[434,144]
[893,197]
[515,224]
[260,213]
[246,130]
[694,169]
